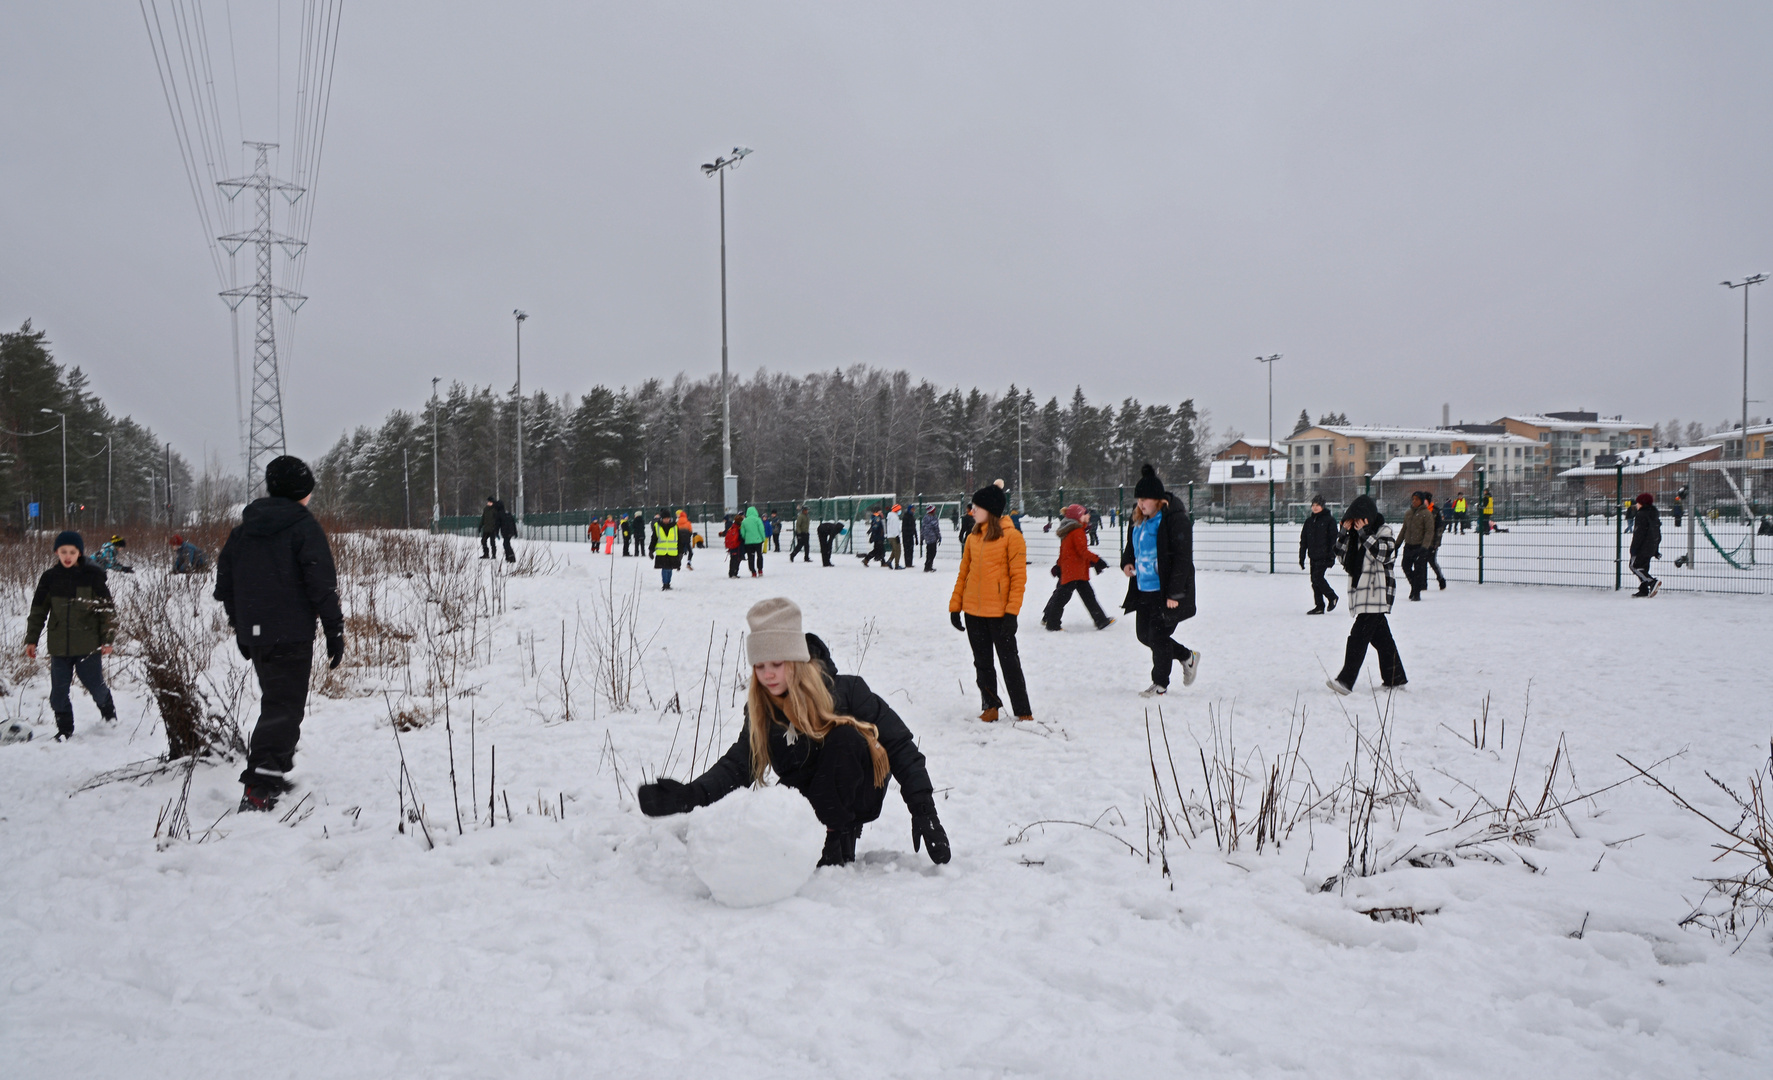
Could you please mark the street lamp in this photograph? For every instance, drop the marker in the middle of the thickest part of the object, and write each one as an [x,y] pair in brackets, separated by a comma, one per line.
[64,421]
[105,435]
[729,481]
[436,505]
[1268,453]
[520,316]
[1743,285]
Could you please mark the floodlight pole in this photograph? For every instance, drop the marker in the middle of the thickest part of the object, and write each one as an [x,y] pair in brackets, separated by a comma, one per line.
[436,504]
[1268,452]
[520,316]
[729,481]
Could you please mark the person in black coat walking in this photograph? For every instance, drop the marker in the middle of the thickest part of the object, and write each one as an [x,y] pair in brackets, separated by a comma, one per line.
[828,736]
[507,529]
[1317,543]
[275,578]
[1159,564]
[489,529]
[1646,544]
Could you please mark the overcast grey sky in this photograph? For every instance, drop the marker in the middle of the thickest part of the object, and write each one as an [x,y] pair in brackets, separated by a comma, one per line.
[1504,207]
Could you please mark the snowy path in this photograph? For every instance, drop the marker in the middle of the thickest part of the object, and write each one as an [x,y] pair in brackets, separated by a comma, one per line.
[335,946]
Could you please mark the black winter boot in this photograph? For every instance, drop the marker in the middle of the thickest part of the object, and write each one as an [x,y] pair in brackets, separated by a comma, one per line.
[64,726]
[840,846]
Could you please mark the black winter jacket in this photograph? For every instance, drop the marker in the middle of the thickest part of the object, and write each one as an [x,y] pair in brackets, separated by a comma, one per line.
[1175,562]
[76,603]
[275,576]
[1646,534]
[795,764]
[1317,540]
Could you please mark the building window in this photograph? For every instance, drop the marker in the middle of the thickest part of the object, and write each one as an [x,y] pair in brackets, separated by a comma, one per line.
[1315,467]
[1316,450]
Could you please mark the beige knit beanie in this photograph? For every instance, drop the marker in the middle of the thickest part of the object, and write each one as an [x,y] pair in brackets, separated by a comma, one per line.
[775,632]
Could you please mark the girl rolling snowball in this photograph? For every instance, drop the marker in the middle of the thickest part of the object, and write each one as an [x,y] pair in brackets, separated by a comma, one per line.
[988,589]
[828,736]
[1159,564]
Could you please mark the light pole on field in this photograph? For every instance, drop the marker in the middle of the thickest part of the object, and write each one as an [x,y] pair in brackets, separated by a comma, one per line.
[436,505]
[1743,285]
[520,316]
[1268,452]
[729,481]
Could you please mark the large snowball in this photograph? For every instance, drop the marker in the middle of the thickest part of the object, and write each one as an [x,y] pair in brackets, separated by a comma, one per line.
[756,846]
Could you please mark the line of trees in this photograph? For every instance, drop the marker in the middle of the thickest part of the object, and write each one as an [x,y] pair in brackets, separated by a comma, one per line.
[859,430]
[31,448]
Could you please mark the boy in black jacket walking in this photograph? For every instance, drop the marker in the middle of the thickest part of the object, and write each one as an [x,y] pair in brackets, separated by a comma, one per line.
[275,577]
[1317,542]
[73,599]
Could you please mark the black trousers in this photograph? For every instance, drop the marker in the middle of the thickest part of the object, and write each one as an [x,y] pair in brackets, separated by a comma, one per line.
[1416,567]
[802,547]
[1639,566]
[1320,586]
[1372,630]
[1153,632]
[1434,563]
[1055,609]
[489,547]
[754,558]
[283,699]
[90,670]
[825,543]
[842,788]
[627,544]
[929,556]
[734,556]
[986,635]
[510,555]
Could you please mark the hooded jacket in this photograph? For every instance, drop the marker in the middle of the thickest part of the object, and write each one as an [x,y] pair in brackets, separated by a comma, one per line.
[751,527]
[1369,556]
[1646,535]
[76,603]
[275,576]
[1075,557]
[992,574]
[1175,562]
[795,763]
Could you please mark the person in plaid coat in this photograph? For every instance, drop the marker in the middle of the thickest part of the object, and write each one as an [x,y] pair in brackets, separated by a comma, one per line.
[1369,551]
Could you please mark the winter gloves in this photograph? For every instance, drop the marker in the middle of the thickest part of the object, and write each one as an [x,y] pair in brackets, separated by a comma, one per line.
[664,796]
[1009,621]
[926,828]
[335,649]
[1101,565]
[954,617]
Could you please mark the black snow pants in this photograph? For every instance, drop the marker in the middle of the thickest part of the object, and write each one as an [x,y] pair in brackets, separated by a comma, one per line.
[1320,587]
[1416,567]
[842,788]
[986,635]
[1055,609]
[1372,630]
[929,556]
[283,698]
[802,547]
[734,556]
[1153,631]
[825,543]
[489,546]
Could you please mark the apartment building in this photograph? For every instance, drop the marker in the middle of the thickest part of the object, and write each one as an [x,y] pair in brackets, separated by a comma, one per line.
[1574,439]
[1760,442]
[1357,450]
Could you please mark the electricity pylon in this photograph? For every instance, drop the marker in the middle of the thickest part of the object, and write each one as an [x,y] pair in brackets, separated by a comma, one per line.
[264,439]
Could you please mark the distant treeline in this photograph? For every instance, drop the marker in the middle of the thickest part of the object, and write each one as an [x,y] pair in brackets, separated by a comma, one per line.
[31,446]
[857,430]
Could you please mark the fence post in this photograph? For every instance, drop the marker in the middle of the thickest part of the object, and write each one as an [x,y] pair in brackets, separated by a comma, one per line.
[1270,510]
[1120,515]
[1618,524]
[1479,506]
[1191,498]
[1368,490]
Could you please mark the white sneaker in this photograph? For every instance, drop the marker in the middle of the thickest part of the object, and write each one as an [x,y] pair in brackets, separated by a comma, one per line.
[1190,667]
[1338,687]
[1154,690]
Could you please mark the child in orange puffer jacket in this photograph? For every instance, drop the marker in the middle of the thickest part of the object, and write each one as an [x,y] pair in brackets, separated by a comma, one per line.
[1076,560]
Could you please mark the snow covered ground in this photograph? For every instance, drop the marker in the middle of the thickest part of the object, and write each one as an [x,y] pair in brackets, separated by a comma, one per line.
[335,945]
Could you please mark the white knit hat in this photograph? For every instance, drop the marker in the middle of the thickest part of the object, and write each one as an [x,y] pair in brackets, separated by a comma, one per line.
[775,632]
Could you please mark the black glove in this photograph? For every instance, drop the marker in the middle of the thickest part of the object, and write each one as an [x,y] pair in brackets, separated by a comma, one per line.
[926,828]
[244,651]
[1101,565]
[335,649]
[1301,562]
[1009,621]
[1055,569]
[663,797]
[840,846]
[954,617]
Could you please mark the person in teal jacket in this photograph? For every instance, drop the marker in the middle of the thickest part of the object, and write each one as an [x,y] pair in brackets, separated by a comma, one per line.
[752,536]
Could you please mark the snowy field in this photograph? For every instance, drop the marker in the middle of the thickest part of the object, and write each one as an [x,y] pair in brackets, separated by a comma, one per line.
[335,945]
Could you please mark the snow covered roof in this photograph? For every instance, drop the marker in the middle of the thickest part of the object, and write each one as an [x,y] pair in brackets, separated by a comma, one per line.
[1605,423]
[1643,461]
[1736,433]
[1254,471]
[1375,433]
[1433,467]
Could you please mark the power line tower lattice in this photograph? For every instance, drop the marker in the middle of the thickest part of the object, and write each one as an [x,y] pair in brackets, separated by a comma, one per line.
[264,439]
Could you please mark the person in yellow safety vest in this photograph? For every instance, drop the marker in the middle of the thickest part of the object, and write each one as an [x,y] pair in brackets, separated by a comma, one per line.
[664,546]
[1489,513]
[1459,518]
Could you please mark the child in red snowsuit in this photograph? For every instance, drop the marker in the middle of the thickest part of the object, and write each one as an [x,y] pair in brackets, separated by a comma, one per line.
[1076,560]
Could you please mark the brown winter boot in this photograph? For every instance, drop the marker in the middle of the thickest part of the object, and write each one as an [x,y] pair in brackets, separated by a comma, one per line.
[1028,717]
[988,715]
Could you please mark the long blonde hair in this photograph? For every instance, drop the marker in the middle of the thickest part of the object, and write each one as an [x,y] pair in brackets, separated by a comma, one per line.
[808,709]
[1139,515]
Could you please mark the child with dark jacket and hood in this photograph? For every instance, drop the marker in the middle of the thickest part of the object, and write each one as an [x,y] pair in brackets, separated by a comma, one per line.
[1317,543]
[1159,564]
[1646,544]
[1369,552]
[1076,560]
[827,736]
[75,603]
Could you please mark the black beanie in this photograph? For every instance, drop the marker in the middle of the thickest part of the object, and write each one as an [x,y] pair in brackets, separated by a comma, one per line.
[1149,486]
[288,478]
[70,538]
[991,499]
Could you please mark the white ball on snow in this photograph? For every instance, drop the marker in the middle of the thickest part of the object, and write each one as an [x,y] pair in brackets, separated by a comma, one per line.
[756,846]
